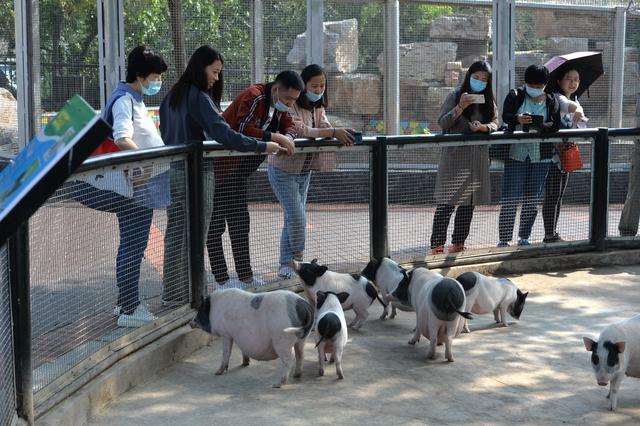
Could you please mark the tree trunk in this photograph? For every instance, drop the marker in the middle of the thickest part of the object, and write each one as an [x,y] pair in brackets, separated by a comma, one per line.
[176,23]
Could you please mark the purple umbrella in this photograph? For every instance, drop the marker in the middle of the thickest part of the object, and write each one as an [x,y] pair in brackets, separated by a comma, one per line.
[588,65]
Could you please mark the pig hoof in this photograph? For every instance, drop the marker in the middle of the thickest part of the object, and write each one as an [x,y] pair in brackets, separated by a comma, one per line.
[382,317]
[392,316]
[277,385]
[297,374]
[340,376]
[412,342]
[221,370]
[320,372]
[450,359]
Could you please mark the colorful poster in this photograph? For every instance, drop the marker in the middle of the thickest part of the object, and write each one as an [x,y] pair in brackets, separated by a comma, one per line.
[43,151]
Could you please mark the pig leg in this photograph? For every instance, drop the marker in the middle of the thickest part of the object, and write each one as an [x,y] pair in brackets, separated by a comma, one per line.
[433,338]
[447,344]
[613,391]
[394,311]
[285,359]
[503,316]
[496,315]
[227,343]
[245,360]
[298,348]
[465,327]
[416,335]
[321,359]
[361,317]
[338,355]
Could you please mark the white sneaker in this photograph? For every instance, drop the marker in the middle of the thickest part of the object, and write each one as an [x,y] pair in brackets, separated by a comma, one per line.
[255,282]
[117,310]
[138,318]
[286,272]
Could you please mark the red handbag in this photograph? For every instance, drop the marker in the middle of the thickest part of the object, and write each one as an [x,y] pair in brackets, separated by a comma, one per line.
[106,147]
[570,159]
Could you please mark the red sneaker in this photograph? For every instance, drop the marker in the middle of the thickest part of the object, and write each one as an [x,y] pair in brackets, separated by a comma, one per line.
[437,250]
[456,248]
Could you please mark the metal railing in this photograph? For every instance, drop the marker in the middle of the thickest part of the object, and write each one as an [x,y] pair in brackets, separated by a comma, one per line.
[373,199]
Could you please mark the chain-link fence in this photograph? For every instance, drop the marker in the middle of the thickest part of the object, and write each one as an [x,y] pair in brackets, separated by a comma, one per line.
[107,250]
[455,199]
[7,386]
[624,192]
[265,214]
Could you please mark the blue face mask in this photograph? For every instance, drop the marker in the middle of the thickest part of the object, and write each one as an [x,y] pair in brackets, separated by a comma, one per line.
[152,89]
[280,106]
[477,85]
[533,92]
[313,97]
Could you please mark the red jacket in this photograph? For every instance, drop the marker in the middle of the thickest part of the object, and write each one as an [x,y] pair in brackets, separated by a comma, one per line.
[247,114]
[250,109]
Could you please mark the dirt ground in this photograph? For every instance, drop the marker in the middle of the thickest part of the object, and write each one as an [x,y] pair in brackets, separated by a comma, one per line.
[535,372]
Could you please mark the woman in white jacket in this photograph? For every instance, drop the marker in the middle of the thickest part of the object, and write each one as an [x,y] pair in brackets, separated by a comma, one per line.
[289,176]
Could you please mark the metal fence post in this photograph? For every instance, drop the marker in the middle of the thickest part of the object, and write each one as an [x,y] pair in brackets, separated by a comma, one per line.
[391,54]
[504,41]
[617,78]
[196,221]
[315,32]
[378,199]
[599,189]
[257,65]
[110,46]
[21,315]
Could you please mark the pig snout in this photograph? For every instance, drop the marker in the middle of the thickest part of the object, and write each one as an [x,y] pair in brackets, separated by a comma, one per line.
[602,383]
[194,324]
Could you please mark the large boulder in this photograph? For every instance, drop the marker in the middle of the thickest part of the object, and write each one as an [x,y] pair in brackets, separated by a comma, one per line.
[423,61]
[563,45]
[465,27]
[357,93]
[8,121]
[340,47]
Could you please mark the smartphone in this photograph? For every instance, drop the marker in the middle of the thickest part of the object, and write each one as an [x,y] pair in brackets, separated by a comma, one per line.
[357,136]
[537,119]
[477,99]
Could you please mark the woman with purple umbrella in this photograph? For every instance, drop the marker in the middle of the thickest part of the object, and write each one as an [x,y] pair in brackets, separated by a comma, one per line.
[565,82]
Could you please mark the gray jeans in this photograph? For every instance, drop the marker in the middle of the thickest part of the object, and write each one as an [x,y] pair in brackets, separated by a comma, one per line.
[176,276]
[631,212]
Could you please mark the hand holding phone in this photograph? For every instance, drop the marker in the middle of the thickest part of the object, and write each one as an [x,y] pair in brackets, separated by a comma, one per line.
[476,99]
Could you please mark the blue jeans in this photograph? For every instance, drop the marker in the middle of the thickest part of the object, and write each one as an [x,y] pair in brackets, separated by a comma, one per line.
[134,223]
[523,181]
[291,190]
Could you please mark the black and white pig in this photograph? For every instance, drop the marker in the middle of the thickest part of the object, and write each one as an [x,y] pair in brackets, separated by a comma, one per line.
[266,326]
[362,292]
[387,276]
[616,354]
[439,304]
[497,295]
[331,329]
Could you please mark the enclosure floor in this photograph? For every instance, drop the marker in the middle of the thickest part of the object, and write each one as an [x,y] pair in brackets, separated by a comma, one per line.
[534,372]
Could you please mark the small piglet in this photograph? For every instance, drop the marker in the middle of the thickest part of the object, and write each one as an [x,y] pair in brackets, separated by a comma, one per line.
[616,353]
[387,275]
[497,295]
[331,328]
[265,326]
[439,304]
[318,278]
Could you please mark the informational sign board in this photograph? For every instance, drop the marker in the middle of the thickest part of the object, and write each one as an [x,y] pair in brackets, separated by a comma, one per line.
[47,161]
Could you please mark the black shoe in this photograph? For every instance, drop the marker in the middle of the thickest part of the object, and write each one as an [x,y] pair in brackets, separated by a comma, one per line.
[555,238]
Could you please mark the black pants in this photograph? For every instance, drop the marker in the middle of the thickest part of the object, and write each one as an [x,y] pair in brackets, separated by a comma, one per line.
[230,209]
[554,189]
[461,226]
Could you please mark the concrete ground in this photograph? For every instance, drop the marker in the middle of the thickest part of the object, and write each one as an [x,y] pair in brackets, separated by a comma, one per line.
[534,372]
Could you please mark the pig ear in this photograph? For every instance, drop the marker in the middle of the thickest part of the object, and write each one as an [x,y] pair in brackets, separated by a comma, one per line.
[342,297]
[621,346]
[320,298]
[322,270]
[588,343]
[315,261]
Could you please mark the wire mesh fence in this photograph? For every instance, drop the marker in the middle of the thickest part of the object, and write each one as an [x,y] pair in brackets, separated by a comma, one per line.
[453,199]
[438,43]
[624,193]
[7,385]
[542,33]
[99,255]
[264,219]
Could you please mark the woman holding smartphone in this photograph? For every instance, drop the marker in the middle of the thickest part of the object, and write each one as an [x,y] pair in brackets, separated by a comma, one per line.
[463,171]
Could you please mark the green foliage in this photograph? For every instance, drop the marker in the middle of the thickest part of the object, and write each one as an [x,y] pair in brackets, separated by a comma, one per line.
[526,38]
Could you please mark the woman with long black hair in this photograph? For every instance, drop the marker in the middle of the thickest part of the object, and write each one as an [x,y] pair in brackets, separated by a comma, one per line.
[463,171]
[191,111]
